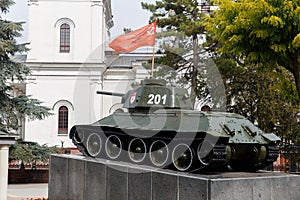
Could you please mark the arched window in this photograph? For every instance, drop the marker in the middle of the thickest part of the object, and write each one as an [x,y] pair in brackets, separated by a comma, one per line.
[64,46]
[63,113]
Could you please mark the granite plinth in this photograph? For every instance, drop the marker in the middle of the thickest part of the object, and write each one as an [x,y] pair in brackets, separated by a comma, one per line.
[80,178]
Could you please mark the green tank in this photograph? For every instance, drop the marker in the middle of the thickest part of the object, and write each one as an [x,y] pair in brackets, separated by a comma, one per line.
[157,126]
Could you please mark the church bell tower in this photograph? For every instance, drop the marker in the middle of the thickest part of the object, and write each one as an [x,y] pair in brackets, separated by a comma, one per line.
[68,39]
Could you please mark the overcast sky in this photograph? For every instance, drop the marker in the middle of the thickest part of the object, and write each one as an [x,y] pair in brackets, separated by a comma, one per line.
[127,14]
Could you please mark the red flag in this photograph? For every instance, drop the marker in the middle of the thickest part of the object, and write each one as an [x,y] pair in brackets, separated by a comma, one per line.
[144,36]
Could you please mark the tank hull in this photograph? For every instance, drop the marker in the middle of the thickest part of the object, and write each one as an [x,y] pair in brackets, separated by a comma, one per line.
[190,141]
[157,126]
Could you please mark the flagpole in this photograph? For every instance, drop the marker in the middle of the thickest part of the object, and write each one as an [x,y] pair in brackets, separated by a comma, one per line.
[152,69]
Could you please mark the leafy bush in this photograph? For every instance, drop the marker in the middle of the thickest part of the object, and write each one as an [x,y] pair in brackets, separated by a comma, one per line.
[31,152]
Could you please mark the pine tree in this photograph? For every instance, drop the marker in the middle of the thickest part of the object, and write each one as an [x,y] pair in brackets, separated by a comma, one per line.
[14,108]
[181,16]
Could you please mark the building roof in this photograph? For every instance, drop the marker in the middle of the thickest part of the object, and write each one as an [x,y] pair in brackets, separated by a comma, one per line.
[126,60]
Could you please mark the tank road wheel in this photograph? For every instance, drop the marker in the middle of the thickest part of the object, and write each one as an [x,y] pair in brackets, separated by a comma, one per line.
[182,157]
[78,136]
[93,144]
[113,147]
[205,153]
[159,153]
[137,150]
[255,159]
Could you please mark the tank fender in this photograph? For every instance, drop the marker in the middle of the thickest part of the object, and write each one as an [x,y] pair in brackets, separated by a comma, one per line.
[271,137]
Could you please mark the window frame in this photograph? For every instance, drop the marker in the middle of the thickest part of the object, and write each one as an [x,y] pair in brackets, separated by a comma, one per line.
[63,120]
[64,38]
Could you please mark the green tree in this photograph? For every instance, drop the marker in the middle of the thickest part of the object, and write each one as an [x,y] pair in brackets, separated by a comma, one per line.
[31,152]
[14,108]
[174,65]
[182,16]
[267,98]
[262,31]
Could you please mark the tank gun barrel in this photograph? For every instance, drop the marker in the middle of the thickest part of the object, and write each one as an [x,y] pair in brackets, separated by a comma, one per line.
[111,93]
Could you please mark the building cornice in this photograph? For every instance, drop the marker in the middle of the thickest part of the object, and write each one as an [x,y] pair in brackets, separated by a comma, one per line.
[7,139]
[33,2]
[64,64]
[66,69]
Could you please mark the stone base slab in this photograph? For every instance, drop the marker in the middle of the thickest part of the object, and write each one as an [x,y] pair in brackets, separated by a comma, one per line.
[78,178]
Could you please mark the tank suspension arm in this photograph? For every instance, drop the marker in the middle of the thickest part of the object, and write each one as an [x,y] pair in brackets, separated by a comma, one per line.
[111,93]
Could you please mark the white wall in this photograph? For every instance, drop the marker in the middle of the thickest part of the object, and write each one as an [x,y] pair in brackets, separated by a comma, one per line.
[88,31]
[76,91]
[69,79]
[119,81]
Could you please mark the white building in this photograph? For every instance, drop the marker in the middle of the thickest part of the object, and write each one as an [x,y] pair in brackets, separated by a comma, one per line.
[68,40]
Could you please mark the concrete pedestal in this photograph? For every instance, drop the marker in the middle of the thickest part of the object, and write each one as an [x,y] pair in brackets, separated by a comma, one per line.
[80,178]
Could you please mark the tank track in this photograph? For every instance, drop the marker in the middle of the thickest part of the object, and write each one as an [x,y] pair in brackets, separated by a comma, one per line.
[272,152]
[215,161]
[217,155]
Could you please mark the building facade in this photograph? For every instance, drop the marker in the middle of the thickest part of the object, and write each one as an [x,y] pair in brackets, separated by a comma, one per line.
[68,40]
[67,43]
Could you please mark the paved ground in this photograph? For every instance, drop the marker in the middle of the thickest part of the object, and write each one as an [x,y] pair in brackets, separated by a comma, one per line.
[27,191]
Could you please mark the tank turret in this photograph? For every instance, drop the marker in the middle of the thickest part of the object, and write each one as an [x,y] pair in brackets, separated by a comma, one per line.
[158,127]
[153,93]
